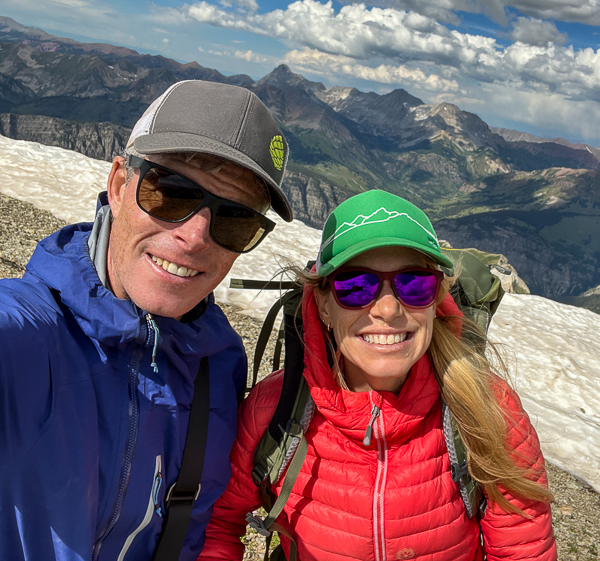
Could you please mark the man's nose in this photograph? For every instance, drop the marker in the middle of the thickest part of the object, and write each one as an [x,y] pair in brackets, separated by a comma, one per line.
[194,232]
[387,306]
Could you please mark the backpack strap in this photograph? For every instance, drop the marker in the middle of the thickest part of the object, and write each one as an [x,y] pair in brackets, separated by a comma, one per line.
[283,447]
[267,327]
[182,495]
[470,490]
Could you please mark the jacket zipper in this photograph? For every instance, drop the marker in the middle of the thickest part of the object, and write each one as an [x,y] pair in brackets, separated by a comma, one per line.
[134,408]
[380,479]
[153,327]
[375,411]
[150,510]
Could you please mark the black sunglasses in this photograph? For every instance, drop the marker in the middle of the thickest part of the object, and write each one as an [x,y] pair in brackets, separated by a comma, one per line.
[357,288]
[171,197]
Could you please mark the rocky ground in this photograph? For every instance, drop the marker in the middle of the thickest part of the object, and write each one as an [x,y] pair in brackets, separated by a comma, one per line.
[576,507]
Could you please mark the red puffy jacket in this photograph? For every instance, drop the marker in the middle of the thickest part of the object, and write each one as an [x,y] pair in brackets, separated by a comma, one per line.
[392,500]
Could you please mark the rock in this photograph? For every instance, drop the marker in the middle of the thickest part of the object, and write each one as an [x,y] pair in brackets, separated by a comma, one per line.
[102,141]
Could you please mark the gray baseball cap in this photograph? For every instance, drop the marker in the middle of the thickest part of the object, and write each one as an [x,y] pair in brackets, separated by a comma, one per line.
[218,119]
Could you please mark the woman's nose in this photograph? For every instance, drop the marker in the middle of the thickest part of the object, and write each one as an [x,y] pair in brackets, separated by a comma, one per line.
[387,306]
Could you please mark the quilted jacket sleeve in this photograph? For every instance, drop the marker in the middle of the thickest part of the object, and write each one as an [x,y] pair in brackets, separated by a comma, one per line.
[228,522]
[509,536]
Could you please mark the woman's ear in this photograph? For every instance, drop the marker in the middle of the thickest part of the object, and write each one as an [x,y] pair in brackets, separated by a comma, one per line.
[323,299]
[117,182]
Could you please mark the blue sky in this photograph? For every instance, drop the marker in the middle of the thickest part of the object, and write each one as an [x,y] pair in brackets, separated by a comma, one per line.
[531,65]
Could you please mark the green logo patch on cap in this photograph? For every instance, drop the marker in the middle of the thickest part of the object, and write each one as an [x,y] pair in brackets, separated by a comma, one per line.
[277,151]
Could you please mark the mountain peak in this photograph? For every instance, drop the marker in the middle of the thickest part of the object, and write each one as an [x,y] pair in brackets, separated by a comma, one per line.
[282,76]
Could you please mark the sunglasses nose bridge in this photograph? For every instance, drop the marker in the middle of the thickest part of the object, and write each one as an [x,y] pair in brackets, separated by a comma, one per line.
[194,230]
[386,304]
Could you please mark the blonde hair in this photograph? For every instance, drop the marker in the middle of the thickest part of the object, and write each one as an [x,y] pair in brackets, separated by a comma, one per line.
[467,385]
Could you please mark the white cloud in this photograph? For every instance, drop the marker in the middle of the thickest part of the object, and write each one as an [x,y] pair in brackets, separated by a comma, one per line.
[72,3]
[250,5]
[165,40]
[396,38]
[440,10]
[577,119]
[317,62]
[536,32]
[251,56]
[582,11]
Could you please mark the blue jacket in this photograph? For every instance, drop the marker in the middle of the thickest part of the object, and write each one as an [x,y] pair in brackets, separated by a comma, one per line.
[90,436]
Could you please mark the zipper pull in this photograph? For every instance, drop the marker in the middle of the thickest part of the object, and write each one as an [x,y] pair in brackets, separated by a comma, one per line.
[154,328]
[369,432]
[155,489]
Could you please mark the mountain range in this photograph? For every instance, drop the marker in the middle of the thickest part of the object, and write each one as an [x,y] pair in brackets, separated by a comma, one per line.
[537,201]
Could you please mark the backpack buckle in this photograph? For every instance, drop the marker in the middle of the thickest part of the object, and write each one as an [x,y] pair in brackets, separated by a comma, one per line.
[259,474]
[459,471]
[176,496]
[257,523]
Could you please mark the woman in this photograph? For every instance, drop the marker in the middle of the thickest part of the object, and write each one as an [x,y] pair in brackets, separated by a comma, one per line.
[383,347]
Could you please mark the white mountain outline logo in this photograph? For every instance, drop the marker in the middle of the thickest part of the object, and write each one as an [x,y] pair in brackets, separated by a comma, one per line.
[362,220]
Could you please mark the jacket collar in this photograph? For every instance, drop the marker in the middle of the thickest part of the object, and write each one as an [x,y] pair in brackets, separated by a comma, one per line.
[62,261]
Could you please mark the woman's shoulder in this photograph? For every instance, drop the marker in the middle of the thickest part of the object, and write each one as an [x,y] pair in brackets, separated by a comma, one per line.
[258,408]
[521,435]
[506,396]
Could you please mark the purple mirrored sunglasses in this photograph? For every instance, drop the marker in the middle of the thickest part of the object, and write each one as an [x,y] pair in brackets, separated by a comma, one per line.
[356,288]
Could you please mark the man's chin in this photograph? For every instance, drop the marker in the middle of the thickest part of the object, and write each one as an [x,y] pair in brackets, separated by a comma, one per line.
[169,306]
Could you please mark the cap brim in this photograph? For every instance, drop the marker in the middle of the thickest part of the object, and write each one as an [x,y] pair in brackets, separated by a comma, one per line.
[374,243]
[165,142]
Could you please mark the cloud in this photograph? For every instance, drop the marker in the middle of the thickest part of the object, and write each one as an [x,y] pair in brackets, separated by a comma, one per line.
[582,11]
[577,119]
[440,10]
[251,56]
[317,62]
[72,3]
[250,5]
[396,39]
[536,32]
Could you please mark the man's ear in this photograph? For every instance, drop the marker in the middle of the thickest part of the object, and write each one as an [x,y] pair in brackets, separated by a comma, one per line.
[117,182]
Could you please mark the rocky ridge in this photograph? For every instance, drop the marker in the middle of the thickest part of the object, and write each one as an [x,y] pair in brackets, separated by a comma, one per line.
[101,141]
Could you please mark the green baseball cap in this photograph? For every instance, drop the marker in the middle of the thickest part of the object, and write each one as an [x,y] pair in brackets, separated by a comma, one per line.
[375,219]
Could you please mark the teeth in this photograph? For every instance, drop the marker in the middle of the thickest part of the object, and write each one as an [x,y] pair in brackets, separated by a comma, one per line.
[173,268]
[384,339]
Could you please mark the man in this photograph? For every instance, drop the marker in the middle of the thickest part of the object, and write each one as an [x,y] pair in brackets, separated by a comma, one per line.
[103,341]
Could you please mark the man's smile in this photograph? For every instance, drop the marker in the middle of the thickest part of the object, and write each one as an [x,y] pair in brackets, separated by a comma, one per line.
[174,268]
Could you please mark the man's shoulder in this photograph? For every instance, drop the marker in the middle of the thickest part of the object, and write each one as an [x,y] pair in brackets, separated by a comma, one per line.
[29,321]
[25,299]
[215,318]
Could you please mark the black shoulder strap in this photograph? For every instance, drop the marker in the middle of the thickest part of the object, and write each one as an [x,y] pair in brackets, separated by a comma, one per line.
[182,495]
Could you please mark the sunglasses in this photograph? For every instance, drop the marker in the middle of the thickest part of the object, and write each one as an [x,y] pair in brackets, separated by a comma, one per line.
[171,197]
[415,287]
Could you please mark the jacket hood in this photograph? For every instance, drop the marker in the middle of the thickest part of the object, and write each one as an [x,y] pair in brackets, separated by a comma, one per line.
[351,411]
[63,263]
